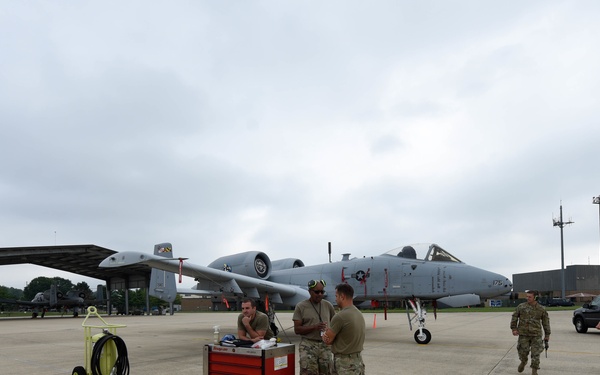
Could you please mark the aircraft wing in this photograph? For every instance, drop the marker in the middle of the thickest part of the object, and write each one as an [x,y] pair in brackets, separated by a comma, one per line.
[212,279]
[13,301]
[67,302]
[23,303]
[193,291]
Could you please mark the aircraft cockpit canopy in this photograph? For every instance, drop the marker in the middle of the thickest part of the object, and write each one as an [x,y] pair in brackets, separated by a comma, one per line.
[437,254]
[434,253]
[408,252]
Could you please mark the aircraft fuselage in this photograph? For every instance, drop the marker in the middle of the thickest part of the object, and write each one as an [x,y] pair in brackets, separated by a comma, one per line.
[395,278]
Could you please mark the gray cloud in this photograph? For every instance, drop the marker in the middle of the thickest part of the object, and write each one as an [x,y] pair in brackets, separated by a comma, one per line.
[282,126]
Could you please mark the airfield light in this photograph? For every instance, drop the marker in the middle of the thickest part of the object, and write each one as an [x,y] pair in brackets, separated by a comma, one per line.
[560,223]
[596,200]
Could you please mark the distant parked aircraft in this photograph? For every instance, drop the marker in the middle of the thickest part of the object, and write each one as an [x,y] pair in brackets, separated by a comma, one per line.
[53,298]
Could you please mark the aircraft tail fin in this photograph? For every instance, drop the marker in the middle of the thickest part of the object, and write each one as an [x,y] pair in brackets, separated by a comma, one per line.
[162,283]
[53,295]
[101,293]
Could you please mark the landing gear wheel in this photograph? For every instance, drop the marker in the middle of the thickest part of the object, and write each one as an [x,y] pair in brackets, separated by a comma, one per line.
[422,338]
[79,370]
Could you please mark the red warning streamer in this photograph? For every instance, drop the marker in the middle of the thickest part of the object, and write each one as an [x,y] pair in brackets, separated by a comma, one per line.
[364,280]
[180,270]
[385,286]
[225,302]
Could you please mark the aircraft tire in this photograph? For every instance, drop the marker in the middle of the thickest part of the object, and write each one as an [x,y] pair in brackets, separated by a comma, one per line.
[423,338]
[79,370]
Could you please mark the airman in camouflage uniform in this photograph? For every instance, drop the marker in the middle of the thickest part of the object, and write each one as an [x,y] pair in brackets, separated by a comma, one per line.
[527,322]
[311,318]
[346,334]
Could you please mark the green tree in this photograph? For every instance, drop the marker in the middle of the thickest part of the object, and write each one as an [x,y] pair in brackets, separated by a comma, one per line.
[10,293]
[117,299]
[137,298]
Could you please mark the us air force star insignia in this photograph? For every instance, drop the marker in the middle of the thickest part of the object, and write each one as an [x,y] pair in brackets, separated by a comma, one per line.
[226,267]
[360,275]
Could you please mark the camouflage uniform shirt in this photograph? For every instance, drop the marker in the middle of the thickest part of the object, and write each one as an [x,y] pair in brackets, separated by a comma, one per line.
[259,323]
[530,319]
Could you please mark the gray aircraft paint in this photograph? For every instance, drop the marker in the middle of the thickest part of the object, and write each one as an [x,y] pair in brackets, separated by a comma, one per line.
[393,276]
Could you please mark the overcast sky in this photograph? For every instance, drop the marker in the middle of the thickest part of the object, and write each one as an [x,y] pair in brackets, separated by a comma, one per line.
[280,126]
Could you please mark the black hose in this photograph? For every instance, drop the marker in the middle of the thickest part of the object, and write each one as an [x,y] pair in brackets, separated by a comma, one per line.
[121,364]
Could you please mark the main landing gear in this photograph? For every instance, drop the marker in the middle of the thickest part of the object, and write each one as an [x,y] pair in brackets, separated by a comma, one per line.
[422,336]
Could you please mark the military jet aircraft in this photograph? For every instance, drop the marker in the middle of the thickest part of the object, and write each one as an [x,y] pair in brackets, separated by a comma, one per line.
[51,298]
[393,276]
[54,298]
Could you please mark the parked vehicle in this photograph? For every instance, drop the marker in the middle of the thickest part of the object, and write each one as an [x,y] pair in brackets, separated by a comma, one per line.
[587,316]
[559,302]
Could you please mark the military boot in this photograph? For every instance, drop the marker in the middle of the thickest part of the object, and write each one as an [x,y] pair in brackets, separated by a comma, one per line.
[534,371]
[522,366]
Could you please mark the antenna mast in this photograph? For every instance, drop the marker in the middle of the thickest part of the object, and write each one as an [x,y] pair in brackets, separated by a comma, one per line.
[560,223]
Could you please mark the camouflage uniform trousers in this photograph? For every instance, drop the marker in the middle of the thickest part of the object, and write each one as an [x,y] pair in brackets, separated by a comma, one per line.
[534,344]
[346,364]
[315,357]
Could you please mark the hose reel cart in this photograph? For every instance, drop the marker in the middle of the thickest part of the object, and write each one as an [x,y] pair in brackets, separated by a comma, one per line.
[105,352]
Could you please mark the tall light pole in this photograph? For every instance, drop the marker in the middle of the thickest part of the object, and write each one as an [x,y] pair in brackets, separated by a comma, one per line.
[596,200]
[560,223]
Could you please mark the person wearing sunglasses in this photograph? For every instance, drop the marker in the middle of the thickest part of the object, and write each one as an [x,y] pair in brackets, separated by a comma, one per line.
[346,334]
[311,318]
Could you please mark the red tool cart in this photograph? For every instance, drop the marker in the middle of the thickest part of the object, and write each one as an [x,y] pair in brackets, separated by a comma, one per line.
[221,360]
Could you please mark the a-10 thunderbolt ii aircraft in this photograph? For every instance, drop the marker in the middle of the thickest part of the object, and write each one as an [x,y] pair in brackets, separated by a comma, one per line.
[393,276]
[51,298]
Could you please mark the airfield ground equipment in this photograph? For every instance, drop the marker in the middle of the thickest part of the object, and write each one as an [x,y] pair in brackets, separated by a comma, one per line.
[274,360]
[105,352]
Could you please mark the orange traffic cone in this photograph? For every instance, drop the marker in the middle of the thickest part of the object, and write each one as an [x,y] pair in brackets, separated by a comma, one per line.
[374,320]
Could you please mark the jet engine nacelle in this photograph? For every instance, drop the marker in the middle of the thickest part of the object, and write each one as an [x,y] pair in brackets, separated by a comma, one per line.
[251,263]
[75,294]
[284,264]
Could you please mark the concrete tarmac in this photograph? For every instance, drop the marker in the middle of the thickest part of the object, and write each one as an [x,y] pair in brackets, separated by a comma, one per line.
[462,343]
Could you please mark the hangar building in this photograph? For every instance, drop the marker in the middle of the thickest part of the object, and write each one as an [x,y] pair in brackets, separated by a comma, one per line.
[578,279]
